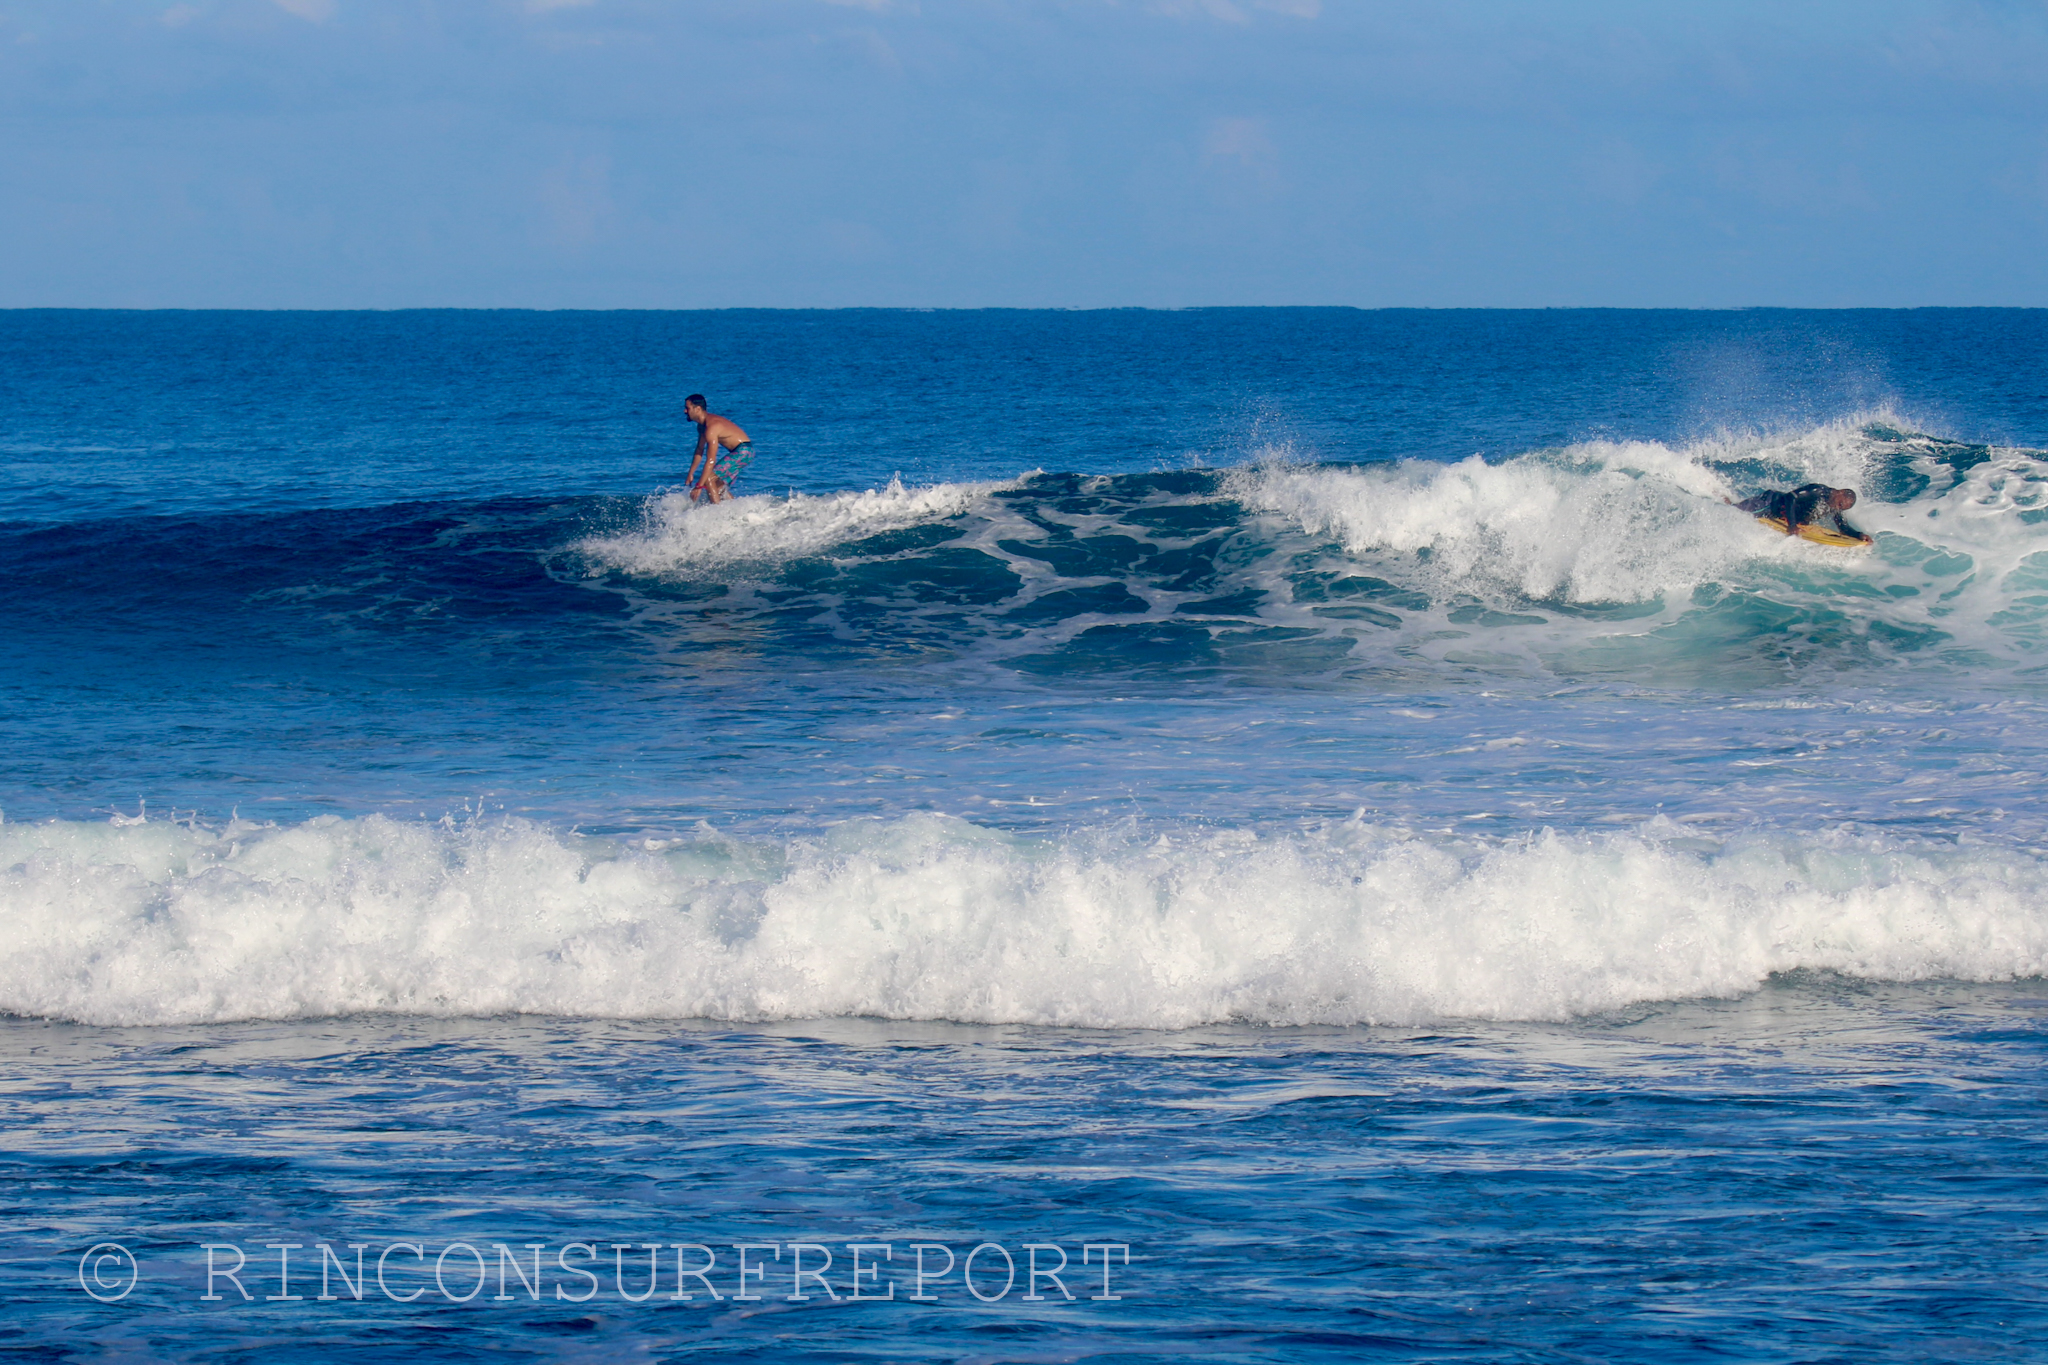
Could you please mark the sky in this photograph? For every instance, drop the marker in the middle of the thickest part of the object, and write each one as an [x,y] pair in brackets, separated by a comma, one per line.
[1030,153]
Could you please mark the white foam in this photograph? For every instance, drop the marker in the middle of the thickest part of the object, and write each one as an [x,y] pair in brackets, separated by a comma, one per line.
[1597,524]
[1958,570]
[935,918]
[678,538]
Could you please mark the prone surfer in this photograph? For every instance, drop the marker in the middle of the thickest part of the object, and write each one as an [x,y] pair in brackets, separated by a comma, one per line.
[722,449]
[1810,504]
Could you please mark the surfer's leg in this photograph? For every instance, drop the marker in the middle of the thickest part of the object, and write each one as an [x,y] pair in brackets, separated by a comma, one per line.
[723,471]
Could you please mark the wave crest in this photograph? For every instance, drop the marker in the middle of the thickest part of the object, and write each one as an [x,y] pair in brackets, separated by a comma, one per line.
[1580,529]
[935,918]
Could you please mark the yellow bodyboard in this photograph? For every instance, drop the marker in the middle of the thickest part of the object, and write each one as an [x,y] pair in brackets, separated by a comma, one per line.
[1819,535]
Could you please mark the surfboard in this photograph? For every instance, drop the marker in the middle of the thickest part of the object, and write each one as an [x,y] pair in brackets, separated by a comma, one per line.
[1819,535]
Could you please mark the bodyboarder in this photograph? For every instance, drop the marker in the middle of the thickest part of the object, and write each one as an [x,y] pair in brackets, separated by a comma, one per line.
[1811,504]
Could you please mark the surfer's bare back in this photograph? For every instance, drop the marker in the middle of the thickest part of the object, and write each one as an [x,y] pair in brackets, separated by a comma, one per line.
[722,448]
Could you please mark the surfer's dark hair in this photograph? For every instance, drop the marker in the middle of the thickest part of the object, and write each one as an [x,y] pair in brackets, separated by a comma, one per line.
[696,400]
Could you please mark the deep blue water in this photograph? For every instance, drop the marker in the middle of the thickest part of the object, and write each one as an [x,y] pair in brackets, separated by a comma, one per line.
[1334,803]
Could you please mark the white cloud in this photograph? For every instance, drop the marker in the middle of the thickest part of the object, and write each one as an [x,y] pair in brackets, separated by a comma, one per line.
[865,44]
[312,11]
[1616,169]
[543,6]
[875,48]
[1227,11]
[1242,140]
[852,241]
[177,16]
[1189,9]
[1244,151]
[879,6]
[576,200]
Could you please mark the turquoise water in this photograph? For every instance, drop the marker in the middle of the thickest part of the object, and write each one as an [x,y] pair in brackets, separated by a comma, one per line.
[1335,808]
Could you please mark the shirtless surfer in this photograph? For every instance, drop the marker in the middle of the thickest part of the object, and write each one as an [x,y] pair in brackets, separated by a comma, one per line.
[722,448]
[1810,504]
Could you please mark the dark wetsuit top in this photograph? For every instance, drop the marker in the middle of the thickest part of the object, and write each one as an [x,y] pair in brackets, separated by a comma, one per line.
[1807,505]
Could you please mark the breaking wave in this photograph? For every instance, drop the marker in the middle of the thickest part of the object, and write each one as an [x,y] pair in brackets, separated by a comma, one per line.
[931,917]
[1596,560]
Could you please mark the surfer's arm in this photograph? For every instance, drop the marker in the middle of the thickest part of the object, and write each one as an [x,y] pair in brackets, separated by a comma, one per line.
[696,458]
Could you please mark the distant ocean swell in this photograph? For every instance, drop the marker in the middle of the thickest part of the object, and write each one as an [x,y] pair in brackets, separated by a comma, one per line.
[930,917]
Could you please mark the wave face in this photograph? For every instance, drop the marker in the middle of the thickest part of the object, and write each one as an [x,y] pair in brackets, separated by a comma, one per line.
[1591,561]
[140,922]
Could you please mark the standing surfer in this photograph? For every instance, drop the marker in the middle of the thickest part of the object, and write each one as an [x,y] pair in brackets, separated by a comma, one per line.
[722,448]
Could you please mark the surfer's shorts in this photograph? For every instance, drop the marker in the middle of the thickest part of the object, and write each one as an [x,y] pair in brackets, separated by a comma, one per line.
[732,463]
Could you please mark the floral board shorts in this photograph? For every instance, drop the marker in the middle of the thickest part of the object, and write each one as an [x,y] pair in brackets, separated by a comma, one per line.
[730,464]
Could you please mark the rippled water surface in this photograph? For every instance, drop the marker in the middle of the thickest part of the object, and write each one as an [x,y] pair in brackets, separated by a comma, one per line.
[1816,1171]
[1337,804]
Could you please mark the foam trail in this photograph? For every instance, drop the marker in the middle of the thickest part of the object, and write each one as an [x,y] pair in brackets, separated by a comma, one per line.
[934,918]
[676,537]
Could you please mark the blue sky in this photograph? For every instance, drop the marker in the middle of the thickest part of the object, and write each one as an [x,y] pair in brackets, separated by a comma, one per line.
[953,153]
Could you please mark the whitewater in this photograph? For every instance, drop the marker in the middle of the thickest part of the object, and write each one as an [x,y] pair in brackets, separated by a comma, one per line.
[1338,805]
[1545,569]
[934,918]
[1622,557]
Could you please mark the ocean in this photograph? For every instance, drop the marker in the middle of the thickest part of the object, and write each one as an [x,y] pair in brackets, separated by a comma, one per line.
[1240,834]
